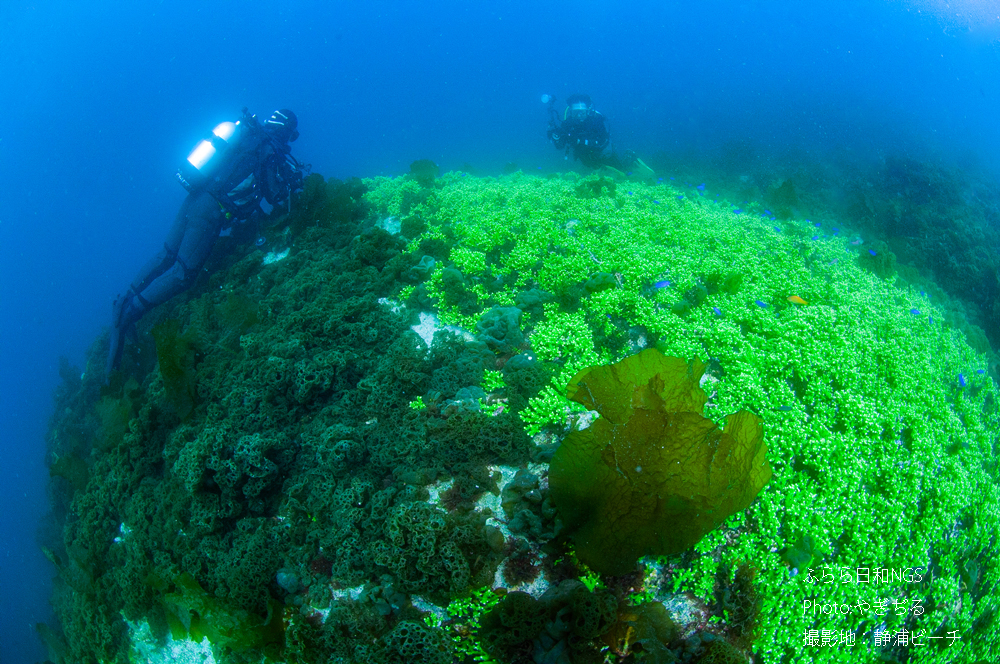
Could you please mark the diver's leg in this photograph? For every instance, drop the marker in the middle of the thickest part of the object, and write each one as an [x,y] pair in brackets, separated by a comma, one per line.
[171,271]
[129,307]
[612,161]
[203,221]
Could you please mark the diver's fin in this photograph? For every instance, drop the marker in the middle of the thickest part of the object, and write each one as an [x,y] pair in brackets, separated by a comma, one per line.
[610,170]
[640,171]
[115,347]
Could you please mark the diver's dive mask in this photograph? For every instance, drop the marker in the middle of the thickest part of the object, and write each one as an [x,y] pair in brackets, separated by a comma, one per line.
[578,111]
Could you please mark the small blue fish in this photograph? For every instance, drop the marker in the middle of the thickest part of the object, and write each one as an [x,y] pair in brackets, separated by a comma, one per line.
[701,187]
[777,230]
[655,202]
[836,231]
[630,193]
[930,319]
[629,173]
[671,178]
[718,311]
[980,371]
[737,211]
[767,213]
[680,198]
[872,252]
[661,284]
[915,312]
[961,380]
[815,237]
[659,179]
[817,224]
[762,305]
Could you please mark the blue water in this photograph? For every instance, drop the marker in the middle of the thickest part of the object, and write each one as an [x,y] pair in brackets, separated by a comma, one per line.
[101,101]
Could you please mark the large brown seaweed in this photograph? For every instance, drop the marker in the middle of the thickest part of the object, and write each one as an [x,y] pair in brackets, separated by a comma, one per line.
[651,476]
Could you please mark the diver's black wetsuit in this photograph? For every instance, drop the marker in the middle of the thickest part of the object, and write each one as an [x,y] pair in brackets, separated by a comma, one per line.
[257,169]
[188,244]
[587,138]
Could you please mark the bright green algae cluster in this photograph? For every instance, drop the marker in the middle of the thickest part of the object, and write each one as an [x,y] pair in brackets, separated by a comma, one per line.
[293,461]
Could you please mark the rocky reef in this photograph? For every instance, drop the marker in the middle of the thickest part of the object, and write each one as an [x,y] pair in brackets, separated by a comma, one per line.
[336,446]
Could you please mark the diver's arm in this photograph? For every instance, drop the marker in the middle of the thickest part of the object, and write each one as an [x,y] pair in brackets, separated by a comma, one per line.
[553,114]
[281,176]
[600,134]
[555,136]
[555,132]
[560,135]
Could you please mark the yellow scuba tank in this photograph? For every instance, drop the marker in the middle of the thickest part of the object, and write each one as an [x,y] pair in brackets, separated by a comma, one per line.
[203,162]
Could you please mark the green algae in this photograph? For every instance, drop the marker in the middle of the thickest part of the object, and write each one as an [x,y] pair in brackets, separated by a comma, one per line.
[192,613]
[297,448]
[424,171]
[71,468]
[177,358]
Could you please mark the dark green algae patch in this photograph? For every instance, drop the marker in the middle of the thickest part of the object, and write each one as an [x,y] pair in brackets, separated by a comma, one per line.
[275,432]
[284,467]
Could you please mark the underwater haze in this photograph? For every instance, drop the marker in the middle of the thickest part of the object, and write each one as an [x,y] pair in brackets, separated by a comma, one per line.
[102,101]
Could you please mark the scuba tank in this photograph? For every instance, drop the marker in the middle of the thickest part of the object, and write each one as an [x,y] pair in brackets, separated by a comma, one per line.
[204,161]
[228,164]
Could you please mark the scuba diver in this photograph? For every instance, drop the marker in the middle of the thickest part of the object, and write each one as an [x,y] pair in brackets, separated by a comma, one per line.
[227,176]
[584,131]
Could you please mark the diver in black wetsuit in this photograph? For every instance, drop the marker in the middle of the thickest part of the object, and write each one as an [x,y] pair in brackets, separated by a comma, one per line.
[584,131]
[227,176]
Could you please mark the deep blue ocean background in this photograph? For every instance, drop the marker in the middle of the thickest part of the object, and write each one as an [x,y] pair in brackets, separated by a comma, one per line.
[101,101]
